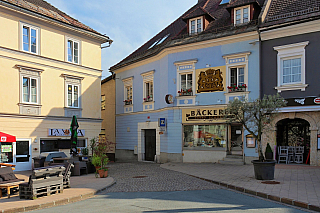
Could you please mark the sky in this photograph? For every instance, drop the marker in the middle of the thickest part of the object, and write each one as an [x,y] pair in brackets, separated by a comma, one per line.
[129,23]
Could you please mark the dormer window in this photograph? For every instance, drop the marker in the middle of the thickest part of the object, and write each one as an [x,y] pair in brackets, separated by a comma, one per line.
[241,15]
[195,25]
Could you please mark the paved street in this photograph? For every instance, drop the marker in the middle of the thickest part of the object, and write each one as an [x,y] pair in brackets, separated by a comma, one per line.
[146,187]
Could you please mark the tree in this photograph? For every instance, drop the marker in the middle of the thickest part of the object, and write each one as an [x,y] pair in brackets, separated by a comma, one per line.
[255,115]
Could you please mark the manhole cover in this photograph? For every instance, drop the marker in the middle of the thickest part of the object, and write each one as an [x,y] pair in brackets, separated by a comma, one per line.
[270,182]
[139,176]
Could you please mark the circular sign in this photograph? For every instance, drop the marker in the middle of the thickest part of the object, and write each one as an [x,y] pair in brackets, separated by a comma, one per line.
[169,99]
[317,100]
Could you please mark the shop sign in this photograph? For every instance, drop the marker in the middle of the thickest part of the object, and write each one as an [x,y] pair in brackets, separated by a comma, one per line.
[6,148]
[308,101]
[169,99]
[64,132]
[210,80]
[203,115]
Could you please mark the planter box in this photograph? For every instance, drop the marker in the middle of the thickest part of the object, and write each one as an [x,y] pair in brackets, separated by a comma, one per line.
[186,94]
[237,90]
[264,170]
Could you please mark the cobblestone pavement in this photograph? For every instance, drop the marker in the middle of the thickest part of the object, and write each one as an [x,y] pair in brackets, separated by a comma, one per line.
[147,177]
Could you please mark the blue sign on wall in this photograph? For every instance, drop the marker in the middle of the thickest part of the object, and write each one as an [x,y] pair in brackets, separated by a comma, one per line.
[162,122]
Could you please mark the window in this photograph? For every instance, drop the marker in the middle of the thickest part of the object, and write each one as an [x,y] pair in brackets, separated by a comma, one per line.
[73,51]
[185,84]
[237,76]
[29,38]
[73,96]
[242,15]
[29,90]
[103,102]
[195,25]
[291,66]
[128,91]
[148,96]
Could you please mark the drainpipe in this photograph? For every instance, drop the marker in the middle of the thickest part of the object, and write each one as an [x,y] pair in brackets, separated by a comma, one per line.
[260,64]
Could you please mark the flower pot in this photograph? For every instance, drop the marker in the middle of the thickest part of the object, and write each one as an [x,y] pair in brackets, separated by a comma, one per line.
[264,170]
[103,173]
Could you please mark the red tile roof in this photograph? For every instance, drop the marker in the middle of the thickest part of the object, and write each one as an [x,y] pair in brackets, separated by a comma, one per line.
[178,34]
[44,8]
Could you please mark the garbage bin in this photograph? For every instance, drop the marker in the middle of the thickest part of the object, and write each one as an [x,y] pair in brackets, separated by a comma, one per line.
[38,161]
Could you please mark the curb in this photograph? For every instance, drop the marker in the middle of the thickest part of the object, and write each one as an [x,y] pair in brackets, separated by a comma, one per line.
[57,202]
[264,195]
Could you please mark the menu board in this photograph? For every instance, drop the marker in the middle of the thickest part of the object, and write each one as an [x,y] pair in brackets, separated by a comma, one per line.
[6,148]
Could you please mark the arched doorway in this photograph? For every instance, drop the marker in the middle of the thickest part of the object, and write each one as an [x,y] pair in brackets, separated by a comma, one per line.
[294,132]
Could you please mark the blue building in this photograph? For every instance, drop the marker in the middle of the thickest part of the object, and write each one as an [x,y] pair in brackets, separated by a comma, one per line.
[172,91]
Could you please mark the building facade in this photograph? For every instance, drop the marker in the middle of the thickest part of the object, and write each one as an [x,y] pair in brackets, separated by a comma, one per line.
[108,112]
[50,70]
[171,93]
[290,49]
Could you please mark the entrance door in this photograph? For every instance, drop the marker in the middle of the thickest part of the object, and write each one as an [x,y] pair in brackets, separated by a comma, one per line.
[236,140]
[150,144]
[22,154]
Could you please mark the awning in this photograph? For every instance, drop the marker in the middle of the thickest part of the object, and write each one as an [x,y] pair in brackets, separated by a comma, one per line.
[7,138]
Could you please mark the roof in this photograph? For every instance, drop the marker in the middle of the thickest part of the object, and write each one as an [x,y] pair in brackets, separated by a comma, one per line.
[108,78]
[239,3]
[44,8]
[287,11]
[220,26]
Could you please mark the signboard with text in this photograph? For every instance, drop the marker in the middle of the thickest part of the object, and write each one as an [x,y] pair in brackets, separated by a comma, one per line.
[64,132]
[205,115]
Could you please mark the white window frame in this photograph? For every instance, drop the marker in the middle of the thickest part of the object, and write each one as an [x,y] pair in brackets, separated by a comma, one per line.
[127,82]
[236,67]
[241,14]
[191,70]
[73,81]
[73,102]
[291,51]
[196,28]
[37,29]
[148,78]
[237,64]
[66,50]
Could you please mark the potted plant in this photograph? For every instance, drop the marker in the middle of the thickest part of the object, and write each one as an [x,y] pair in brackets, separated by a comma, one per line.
[256,116]
[100,159]
[268,153]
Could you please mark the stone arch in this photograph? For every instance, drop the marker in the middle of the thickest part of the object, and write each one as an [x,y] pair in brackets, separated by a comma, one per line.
[293,115]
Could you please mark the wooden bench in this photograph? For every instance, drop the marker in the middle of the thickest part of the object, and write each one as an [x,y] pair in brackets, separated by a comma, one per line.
[9,186]
[43,181]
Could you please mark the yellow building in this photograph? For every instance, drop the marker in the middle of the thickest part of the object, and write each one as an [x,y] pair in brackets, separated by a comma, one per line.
[50,70]
[108,112]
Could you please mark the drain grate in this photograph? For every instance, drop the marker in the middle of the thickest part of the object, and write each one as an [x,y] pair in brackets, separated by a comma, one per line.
[139,176]
[270,182]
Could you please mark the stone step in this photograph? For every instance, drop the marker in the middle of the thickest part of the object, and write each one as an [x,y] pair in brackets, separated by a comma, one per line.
[232,159]
[234,156]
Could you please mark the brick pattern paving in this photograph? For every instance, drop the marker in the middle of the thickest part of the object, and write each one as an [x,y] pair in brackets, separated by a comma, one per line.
[298,183]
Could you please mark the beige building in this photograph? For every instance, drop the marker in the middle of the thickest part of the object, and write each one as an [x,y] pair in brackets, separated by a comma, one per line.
[108,111]
[50,70]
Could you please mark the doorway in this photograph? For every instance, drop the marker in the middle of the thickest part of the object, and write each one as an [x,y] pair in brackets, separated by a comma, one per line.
[150,144]
[22,154]
[294,132]
[236,139]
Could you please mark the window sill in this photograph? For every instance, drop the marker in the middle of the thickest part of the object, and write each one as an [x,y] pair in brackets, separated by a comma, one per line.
[237,93]
[127,105]
[288,87]
[148,102]
[73,108]
[185,96]
[30,104]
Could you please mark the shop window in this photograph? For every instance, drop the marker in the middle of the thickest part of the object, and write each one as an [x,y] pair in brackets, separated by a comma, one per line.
[6,152]
[291,67]
[205,137]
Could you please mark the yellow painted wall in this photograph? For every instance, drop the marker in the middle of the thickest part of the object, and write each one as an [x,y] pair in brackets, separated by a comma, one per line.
[108,115]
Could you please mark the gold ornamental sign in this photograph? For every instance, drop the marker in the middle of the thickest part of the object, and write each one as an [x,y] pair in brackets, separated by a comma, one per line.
[211,79]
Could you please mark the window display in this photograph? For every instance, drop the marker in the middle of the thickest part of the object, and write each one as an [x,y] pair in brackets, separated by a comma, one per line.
[6,155]
[197,137]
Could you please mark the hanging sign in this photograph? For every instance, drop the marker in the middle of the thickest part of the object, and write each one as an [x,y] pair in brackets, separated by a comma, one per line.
[64,132]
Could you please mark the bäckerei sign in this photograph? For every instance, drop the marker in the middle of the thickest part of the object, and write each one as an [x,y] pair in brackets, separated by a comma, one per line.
[64,132]
[206,115]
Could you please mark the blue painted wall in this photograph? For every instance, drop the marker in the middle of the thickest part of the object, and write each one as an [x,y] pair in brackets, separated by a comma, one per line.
[164,76]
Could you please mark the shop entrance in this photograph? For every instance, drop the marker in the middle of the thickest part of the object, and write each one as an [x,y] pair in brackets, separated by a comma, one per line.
[294,133]
[236,139]
[150,144]
[22,153]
